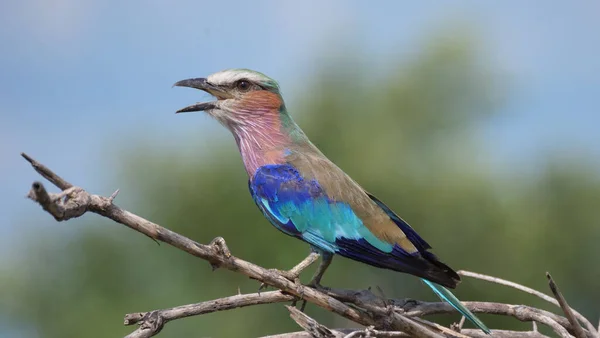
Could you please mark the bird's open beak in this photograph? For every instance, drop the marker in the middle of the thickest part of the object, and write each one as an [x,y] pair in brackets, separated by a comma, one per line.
[202,84]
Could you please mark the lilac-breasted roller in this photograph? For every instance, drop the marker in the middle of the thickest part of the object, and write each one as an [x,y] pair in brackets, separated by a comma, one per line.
[306,196]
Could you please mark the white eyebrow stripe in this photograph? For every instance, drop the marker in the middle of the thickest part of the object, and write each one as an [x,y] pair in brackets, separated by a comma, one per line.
[230,76]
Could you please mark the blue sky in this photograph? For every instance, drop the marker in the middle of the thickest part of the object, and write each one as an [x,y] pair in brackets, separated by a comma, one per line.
[76,74]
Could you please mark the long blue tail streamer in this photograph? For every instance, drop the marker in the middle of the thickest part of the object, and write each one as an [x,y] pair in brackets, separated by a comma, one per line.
[447,296]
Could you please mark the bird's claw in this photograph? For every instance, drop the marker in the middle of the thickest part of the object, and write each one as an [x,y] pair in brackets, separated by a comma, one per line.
[316,284]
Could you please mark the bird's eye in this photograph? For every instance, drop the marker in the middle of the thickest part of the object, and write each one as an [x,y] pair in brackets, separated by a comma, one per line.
[243,85]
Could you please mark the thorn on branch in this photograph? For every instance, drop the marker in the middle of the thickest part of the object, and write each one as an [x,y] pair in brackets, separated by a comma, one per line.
[113,196]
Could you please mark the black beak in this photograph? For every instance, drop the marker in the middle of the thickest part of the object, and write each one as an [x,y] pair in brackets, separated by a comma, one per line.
[202,106]
[198,83]
[202,84]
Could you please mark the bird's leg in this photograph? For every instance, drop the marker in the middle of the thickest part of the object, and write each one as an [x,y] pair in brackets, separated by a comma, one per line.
[294,272]
[326,259]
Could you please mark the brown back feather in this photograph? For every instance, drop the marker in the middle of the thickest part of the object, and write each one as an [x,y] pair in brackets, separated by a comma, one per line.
[341,187]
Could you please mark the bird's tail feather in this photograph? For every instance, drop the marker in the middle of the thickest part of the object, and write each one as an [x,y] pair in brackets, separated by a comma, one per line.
[447,296]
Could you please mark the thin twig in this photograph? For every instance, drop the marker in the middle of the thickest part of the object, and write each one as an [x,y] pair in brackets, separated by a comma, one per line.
[508,283]
[413,308]
[446,331]
[150,321]
[473,333]
[47,173]
[581,318]
[365,299]
[310,325]
[304,334]
[559,324]
[578,330]
[371,333]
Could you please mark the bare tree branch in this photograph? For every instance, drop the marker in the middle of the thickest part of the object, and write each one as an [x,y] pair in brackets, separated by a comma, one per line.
[446,331]
[153,321]
[383,317]
[47,173]
[369,332]
[303,334]
[315,330]
[216,254]
[504,334]
[310,325]
[77,201]
[581,318]
[521,312]
[414,308]
[566,309]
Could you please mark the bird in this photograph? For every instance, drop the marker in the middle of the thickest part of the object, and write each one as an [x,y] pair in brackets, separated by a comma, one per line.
[305,195]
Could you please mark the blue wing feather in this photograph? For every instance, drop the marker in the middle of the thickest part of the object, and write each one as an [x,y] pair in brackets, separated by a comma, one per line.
[301,208]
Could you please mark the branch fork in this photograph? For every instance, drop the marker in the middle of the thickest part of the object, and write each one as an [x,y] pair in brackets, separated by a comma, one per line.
[382,317]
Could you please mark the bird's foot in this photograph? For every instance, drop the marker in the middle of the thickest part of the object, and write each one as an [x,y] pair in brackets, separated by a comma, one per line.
[316,284]
[406,304]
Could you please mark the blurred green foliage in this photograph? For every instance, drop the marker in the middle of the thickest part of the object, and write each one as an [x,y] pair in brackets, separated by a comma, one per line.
[408,136]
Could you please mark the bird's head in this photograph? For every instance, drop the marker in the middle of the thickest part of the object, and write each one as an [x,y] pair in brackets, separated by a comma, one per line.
[243,97]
